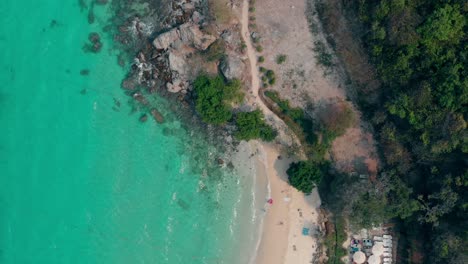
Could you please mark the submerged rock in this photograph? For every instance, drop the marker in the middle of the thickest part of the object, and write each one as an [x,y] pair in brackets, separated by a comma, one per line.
[157,116]
[143,118]
[96,44]
[140,98]
[129,84]
[84,72]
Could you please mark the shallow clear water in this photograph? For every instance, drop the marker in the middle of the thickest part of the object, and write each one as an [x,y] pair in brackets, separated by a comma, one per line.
[81,179]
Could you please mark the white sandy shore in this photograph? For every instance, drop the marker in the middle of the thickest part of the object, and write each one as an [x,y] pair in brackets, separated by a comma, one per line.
[282,240]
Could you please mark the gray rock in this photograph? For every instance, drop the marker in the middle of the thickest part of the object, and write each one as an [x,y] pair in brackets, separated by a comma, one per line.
[165,40]
[177,63]
[176,86]
[197,17]
[191,34]
[232,67]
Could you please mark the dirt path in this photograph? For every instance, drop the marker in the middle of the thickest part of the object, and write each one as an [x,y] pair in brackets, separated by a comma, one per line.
[285,135]
[252,59]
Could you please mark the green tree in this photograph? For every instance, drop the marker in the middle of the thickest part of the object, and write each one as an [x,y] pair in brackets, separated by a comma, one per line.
[304,175]
[213,97]
[251,125]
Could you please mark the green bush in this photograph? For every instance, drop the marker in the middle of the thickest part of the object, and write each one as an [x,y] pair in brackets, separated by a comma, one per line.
[270,74]
[251,125]
[281,58]
[213,97]
[259,48]
[272,81]
[304,175]
[261,59]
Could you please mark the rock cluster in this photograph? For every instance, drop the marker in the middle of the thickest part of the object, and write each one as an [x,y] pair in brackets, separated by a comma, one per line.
[165,61]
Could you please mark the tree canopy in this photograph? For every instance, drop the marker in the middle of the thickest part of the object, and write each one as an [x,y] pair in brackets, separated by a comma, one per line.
[213,98]
[305,175]
[251,125]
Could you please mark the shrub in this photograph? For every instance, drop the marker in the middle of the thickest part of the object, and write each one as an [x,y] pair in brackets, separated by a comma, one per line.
[259,48]
[323,56]
[281,58]
[336,118]
[261,59]
[262,69]
[272,81]
[304,175]
[213,96]
[270,74]
[251,125]
[216,51]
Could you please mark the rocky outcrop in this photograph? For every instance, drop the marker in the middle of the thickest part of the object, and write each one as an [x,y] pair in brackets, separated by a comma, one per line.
[187,34]
[178,43]
[177,85]
[165,40]
[191,34]
[232,67]
[177,63]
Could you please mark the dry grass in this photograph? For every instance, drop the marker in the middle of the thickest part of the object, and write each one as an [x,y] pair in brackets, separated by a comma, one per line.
[348,47]
[221,11]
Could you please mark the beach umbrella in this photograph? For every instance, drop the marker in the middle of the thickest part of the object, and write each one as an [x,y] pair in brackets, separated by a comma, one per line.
[359,257]
[378,249]
[373,259]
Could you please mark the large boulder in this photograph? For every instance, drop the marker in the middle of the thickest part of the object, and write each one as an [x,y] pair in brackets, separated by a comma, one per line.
[188,34]
[232,67]
[164,40]
[191,34]
[177,63]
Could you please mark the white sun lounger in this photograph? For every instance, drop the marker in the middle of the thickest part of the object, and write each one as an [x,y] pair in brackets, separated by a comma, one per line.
[387,236]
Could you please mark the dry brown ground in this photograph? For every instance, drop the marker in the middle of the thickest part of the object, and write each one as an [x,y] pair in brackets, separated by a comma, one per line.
[284,29]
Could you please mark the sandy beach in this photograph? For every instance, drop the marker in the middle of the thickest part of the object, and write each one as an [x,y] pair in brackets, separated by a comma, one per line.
[282,240]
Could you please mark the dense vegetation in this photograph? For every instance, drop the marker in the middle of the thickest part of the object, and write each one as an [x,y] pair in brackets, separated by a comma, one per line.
[304,175]
[213,98]
[251,125]
[213,101]
[420,51]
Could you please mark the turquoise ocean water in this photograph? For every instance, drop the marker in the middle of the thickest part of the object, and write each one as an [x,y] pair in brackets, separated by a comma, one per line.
[82,180]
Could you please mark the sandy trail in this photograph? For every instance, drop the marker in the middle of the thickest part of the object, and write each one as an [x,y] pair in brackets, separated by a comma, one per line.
[255,85]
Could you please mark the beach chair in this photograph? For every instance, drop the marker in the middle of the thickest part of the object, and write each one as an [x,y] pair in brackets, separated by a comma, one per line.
[378,238]
[386,254]
[387,236]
